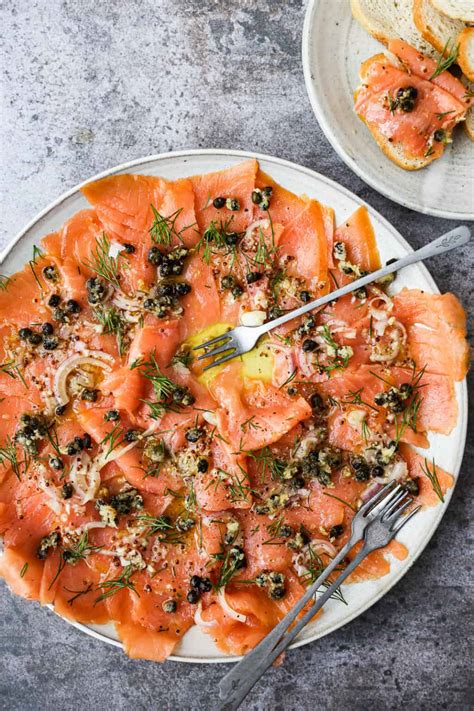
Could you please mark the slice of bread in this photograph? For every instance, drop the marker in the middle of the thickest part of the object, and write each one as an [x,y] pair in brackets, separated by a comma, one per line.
[469,124]
[436,28]
[386,20]
[466,52]
[393,150]
[457,9]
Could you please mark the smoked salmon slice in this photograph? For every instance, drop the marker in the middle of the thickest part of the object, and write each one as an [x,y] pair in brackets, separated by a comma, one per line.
[140,489]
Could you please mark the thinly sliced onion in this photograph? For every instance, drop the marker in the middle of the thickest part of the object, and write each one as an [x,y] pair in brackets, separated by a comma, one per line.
[227,608]
[85,477]
[355,418]
[198,620]
[210,417]
[50,491]
[371,490]
[93,524]
[320,544]
[95,358]
[396,343]
[396,471]
[264,224]
[118,452]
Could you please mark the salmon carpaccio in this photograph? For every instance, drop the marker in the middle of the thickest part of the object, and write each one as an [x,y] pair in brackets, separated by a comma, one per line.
[139,489]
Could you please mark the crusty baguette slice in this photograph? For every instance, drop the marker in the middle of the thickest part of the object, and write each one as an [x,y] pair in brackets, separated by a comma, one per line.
[386,20]
[469,124]
[436,28]
[394,151]
[466,52]
[457,9]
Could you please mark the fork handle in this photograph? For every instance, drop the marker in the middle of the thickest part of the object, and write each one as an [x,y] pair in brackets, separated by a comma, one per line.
[450,240]
[242,684]
[247,664]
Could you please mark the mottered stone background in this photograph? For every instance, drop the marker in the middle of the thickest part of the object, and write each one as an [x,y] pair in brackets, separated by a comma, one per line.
[87,84]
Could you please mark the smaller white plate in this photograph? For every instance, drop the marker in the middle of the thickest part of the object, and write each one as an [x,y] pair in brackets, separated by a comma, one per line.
[334,46]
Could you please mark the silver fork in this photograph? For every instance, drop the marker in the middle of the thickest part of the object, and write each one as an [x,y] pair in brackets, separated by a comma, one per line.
[377,522]
[242,339]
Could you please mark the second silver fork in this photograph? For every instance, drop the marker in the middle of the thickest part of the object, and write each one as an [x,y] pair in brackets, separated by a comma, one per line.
[376,522]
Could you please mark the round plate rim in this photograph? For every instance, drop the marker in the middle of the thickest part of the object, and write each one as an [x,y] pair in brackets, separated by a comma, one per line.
[348,193]
[326,127]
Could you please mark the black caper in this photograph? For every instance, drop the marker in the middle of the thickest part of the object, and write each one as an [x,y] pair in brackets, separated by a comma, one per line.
[274,312]
[166,269]
[167,289]
[406,390]
[231,238]
[112,416]
[50,344]
[219,202]
[377,471]
[205,585]
[169,606]
[72,449]
[412,486]
[67,490]
[60,410]
[35,339]
[56,463]
[267,191]
[182,288]
[407,105]
[316,401]
[227,282]
[407,92]
[309,345]
[277,592]
[253,277]
[50,273]
[286,531]
[439,135]
[305,296]
[25,333]
[194,434]
[336,531]
[47,328]
[129,248]
[237,291]
[155,256]
[361,293]
[131,435]
[256,197]
[86,440]
[358,463]
[59,315]
[72,306]
[54,300]
[79,443]
[202,465]
[195,581]
[176,267]
[232,204]
[193,596]
[149,304]
[89,395]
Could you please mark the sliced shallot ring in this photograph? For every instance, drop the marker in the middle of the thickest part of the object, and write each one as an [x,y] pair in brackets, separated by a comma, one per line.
[95,358]
[229,611]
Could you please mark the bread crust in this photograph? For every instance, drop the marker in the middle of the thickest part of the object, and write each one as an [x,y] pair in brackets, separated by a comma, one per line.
[466,62]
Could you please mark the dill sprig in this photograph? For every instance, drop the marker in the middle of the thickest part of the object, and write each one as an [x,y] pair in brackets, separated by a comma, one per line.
[102,263]
[9,456]
[12,369]
[37,254]
[78,551]
[448,57]
[113,585]
[230,566]
[163,228]
[341,501]
[112,440]
[354,397]
[78,593]
[289,379]
[161,527]
[214,236]
[23,570]
[238,488]
[162,385]
[267,460]
[4,282]
[432,475]
[112,322]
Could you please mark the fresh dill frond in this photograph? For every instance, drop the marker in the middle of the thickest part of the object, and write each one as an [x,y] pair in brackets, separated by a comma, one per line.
[79,551]
[9,457]
[354,397]
[230,566]
[103,264]
[289,379]
[268,461]
[440,116]
[113,585]
[112,323]
[448,57]
[432,475]
[12,369]
[37,254]
[112,440]
[164,228]
[162,385]
[341,501]
[213,236]
[23,570]
[4,282]
[78,593]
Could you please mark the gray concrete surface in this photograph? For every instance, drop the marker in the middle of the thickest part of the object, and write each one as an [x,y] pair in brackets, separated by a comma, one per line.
[87,84]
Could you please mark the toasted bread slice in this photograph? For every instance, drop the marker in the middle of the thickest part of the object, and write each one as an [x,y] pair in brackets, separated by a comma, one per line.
[466,52]
[386,20]
[456,9]
[436,28]
[408,138]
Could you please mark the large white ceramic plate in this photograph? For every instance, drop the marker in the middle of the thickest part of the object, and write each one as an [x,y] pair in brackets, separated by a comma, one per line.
[196,646]
[334,46]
